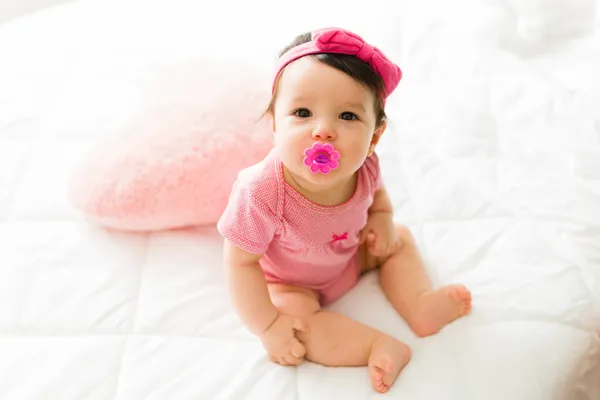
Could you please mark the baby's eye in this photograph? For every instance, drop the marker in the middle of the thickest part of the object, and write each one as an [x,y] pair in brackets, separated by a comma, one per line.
[302,113]
[348,116]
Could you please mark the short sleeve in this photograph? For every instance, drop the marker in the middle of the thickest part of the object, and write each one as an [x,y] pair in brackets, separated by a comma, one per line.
[371,166]
[250,218]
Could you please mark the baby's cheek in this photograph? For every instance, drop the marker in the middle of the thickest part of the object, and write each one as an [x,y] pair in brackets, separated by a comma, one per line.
[287,146]
[351,163]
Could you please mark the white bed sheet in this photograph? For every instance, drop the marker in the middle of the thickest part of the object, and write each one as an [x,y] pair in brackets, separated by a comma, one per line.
[493,160]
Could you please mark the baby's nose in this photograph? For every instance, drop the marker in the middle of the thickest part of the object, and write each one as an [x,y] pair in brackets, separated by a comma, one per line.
[323,134]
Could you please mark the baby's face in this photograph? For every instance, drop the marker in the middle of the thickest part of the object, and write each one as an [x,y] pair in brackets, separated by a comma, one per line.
[318,103]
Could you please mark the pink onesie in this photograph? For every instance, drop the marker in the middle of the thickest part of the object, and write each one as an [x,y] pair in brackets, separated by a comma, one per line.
[302,243]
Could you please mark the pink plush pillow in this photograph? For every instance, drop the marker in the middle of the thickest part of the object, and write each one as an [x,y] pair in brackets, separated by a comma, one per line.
[173,164]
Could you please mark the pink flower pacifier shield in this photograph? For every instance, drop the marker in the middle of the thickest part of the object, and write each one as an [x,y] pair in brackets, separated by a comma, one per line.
[321,158]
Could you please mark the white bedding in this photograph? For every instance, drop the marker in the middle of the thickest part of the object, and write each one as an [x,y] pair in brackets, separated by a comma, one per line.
[493,160]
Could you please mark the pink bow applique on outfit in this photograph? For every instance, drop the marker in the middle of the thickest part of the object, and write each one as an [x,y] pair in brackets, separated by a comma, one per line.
[337,238]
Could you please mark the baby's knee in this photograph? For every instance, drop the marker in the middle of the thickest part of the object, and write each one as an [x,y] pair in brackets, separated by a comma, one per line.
[404,234]
[297,302]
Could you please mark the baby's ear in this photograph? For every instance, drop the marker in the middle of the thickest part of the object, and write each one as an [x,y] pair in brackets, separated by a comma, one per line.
[378,132]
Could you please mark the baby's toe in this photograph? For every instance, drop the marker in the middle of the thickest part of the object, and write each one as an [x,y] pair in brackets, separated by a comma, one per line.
[376,377]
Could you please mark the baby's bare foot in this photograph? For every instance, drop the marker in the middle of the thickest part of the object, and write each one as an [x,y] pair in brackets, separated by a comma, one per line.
[438,308]
[388,357]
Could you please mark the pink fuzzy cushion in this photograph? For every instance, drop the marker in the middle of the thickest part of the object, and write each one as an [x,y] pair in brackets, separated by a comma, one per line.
[174,163]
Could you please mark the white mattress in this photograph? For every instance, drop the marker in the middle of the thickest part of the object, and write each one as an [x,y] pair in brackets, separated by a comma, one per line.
[493,160]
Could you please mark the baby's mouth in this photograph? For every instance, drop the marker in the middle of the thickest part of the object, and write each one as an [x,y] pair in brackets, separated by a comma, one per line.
[321,158]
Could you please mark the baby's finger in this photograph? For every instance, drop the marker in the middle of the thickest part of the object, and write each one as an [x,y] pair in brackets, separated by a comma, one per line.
[371,238]
[379,247]
[276,360]
[299,325]
[363,235]
[372,247]
[372,244]
[291,360]
[391,249]
[282,361]
[297,349]
[384,252]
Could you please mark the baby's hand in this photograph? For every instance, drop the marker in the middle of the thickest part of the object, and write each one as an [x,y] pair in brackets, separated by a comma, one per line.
[380,235]
[280,340]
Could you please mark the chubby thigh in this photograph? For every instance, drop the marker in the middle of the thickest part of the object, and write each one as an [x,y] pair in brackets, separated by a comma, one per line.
[294,300]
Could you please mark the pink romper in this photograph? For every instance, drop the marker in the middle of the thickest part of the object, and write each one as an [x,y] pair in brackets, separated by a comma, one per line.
[302,243]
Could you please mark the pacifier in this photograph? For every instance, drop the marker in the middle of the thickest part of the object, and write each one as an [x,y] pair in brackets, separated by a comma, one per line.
[321,158]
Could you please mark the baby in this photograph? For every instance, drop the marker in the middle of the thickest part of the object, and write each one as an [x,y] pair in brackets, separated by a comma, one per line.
[304,224]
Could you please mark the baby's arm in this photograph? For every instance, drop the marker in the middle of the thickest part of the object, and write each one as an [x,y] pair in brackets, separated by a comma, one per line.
[248,289]
[381,202]
[380,232]
[252,302]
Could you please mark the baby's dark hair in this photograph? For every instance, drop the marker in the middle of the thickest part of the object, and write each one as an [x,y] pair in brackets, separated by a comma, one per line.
[349,65]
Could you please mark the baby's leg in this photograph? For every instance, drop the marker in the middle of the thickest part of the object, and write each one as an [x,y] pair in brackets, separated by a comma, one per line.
[335,340]
[409,290]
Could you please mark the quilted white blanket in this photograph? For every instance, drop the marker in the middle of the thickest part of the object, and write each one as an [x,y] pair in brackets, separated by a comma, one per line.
[493,160]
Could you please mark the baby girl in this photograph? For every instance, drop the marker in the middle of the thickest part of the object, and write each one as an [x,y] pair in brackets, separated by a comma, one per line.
[304,224]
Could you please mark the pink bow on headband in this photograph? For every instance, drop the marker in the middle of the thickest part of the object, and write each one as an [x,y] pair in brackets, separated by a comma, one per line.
[340,41]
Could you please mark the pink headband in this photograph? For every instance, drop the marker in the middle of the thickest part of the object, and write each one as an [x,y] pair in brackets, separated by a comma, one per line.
[340,41]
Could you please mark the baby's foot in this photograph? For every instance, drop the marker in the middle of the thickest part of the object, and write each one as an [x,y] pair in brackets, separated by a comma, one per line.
[388,357]
[438,308]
